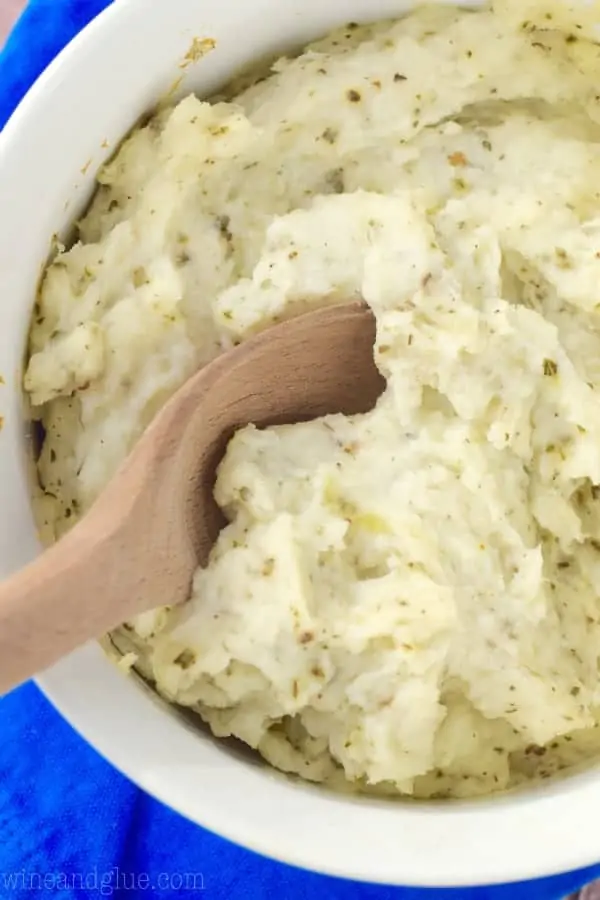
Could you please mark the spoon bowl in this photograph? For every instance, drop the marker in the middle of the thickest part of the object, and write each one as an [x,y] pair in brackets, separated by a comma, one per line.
[141,542]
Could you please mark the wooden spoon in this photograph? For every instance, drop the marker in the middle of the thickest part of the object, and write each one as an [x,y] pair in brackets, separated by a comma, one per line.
[140,543]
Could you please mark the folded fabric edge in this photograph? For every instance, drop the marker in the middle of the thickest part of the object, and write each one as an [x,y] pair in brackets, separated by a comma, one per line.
[43,30]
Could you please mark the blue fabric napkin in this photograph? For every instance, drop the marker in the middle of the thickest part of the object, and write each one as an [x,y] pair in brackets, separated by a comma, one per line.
[73,828]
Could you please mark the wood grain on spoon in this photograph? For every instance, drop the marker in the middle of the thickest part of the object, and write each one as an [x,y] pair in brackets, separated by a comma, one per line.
[139,545]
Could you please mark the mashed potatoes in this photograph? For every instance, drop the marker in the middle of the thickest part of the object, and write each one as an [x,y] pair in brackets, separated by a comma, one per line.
[406,601]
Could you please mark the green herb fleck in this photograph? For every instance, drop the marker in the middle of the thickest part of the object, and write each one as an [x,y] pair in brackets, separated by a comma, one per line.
[186,659]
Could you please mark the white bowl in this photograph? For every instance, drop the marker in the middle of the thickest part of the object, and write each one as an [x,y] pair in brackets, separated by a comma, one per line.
[68,124]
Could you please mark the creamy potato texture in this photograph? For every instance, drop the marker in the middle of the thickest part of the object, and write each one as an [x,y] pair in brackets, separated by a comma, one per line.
[404,601]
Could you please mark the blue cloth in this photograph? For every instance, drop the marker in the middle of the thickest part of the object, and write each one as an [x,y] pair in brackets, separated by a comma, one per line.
[73,828]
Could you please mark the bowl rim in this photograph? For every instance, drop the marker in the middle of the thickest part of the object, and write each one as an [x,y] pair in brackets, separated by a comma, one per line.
[507,839]
[88,705]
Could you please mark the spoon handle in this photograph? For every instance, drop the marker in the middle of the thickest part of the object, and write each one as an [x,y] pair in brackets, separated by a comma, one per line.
[48,608]
[128,554]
